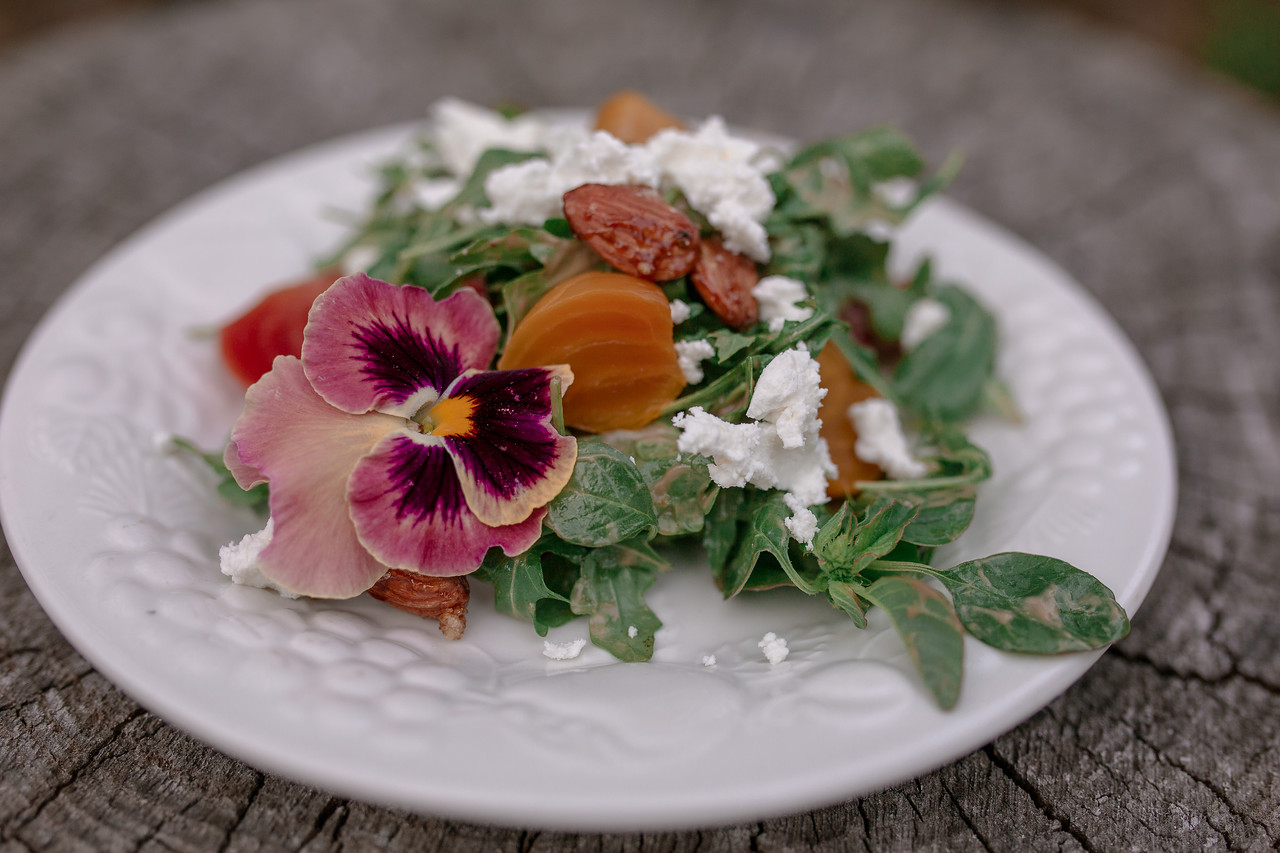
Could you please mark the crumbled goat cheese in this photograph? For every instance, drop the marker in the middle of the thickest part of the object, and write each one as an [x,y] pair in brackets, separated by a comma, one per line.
[433,193]
[563,651]
[359,259]
[774,648]
[803,524]
[721,179]
[632,631]
[924,317]
[690,354]
[881,440]
[532,192]
[463,131]
[679,311]
[716,172]
[708,660]
[240,560]
[776,296]
[781,448]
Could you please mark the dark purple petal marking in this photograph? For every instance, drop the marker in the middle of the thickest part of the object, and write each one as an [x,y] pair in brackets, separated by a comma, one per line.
[370,345]
[410,512]
[513,459]
[398,362]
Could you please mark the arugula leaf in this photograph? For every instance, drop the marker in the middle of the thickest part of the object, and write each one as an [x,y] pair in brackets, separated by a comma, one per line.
[929,628]
[765,531]
[228,489]
[944,514]
[845,597]
[521,583]
[720,530]
[944,378]
[679,483]
[605,501]
[1030,603]
[610,593]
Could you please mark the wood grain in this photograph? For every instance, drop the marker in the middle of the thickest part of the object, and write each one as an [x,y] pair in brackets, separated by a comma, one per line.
[1153,185]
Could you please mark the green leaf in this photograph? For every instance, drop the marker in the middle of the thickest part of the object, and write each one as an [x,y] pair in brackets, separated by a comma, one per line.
[945,377]
[611,594]
[845,597]
[1029,603]
[846,544]
[472,192]
[944,515]
[720,530]
[520,584]
[559,227]
[928,626]
[605,501]
[228,489]
[765,532]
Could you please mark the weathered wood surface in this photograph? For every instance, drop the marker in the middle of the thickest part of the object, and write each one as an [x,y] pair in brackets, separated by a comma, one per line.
[1157,187]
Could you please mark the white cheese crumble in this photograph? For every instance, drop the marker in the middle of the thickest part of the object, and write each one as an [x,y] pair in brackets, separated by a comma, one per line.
[803,524]
[781,448]
[774,648]
[923,318]
[708,660]
[717,173]
[563,651]
[464,131]
[359,259]
[777,295]
[690,355]
[720,176]
[532,192]
[632,631]
[239,560]
[679,311]
[433,193]
[881,440]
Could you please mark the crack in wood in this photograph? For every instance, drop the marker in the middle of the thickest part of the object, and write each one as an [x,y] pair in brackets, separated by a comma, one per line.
[1217,792]
[1008,769]
[78,771]
[964,816]
[259,781]
[1162,670]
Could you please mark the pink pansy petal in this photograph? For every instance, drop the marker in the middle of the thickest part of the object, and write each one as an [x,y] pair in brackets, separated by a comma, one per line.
[409,511]
[512,460]
[369,345]
[307,450]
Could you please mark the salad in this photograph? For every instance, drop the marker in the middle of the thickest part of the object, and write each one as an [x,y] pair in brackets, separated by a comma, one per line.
[548,354]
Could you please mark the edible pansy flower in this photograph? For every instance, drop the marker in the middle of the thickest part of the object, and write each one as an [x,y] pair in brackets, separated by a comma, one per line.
[389,445]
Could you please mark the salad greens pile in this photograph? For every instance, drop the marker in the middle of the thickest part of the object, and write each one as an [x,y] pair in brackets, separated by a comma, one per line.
[633,492]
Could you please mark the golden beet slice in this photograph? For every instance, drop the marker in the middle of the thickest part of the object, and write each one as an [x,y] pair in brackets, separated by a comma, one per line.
[614,332]
[844,388]
[632,117]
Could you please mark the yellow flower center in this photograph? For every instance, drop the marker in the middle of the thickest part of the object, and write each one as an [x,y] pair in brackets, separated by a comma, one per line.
[451,417]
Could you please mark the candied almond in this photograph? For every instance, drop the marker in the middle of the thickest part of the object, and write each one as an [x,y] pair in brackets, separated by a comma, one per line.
[634,229]
[724,280]
[442,599]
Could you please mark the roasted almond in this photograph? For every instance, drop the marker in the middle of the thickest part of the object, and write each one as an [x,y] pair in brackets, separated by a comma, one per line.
[442,599]
[724,280]
[634,230]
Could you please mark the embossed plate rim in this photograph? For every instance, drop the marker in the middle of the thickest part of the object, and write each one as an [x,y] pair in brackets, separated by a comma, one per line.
[654,794]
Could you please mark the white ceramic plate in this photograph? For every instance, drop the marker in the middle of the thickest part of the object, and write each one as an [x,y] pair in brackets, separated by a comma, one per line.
[119,543]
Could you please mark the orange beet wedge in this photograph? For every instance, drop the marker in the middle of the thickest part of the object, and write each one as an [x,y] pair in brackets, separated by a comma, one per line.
[844,389]
[614,331]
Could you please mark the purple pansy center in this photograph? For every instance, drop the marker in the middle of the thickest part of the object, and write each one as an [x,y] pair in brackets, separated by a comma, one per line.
[509,447]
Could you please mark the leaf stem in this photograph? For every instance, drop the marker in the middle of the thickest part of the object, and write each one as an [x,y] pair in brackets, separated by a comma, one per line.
[904,567]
